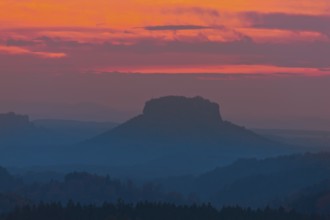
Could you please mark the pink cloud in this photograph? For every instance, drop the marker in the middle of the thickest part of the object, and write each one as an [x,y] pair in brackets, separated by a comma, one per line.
[13,50]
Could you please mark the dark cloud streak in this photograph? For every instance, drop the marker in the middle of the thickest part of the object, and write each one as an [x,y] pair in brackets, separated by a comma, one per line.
[291,22]
[176,27]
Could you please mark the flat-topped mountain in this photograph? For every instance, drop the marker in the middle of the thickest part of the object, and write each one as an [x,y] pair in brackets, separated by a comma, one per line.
[181,131]
[173,118]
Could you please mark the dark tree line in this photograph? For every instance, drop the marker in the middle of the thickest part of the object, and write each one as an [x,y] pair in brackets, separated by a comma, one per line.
[85,188]
[148,211]
[93,189]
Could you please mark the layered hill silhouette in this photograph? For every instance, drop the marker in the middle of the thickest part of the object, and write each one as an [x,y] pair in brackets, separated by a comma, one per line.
[294,181]
[297,181]
[174,135]
[16,129]
[179,134]
[25,142]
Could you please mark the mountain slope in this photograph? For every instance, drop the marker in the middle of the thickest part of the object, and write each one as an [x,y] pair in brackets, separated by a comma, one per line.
[258,183]
[74,131]
[178,134]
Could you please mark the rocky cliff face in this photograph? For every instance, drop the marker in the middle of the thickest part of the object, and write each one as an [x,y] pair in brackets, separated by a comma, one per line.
[195,111]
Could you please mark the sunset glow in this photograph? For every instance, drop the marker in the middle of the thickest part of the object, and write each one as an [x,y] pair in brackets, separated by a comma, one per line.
[149,36]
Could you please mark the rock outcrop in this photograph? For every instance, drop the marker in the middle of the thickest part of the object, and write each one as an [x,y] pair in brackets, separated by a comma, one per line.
[12,122]
[195,111]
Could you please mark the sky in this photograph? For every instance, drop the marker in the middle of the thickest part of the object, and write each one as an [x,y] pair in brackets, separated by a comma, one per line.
[281,47]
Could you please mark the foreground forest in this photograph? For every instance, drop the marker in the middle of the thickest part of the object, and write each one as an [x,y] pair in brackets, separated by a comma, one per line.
[302,184]
[150,211]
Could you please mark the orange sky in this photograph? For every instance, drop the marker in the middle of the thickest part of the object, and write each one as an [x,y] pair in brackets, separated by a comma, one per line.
[130,13]
[131,24]
[257,58]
